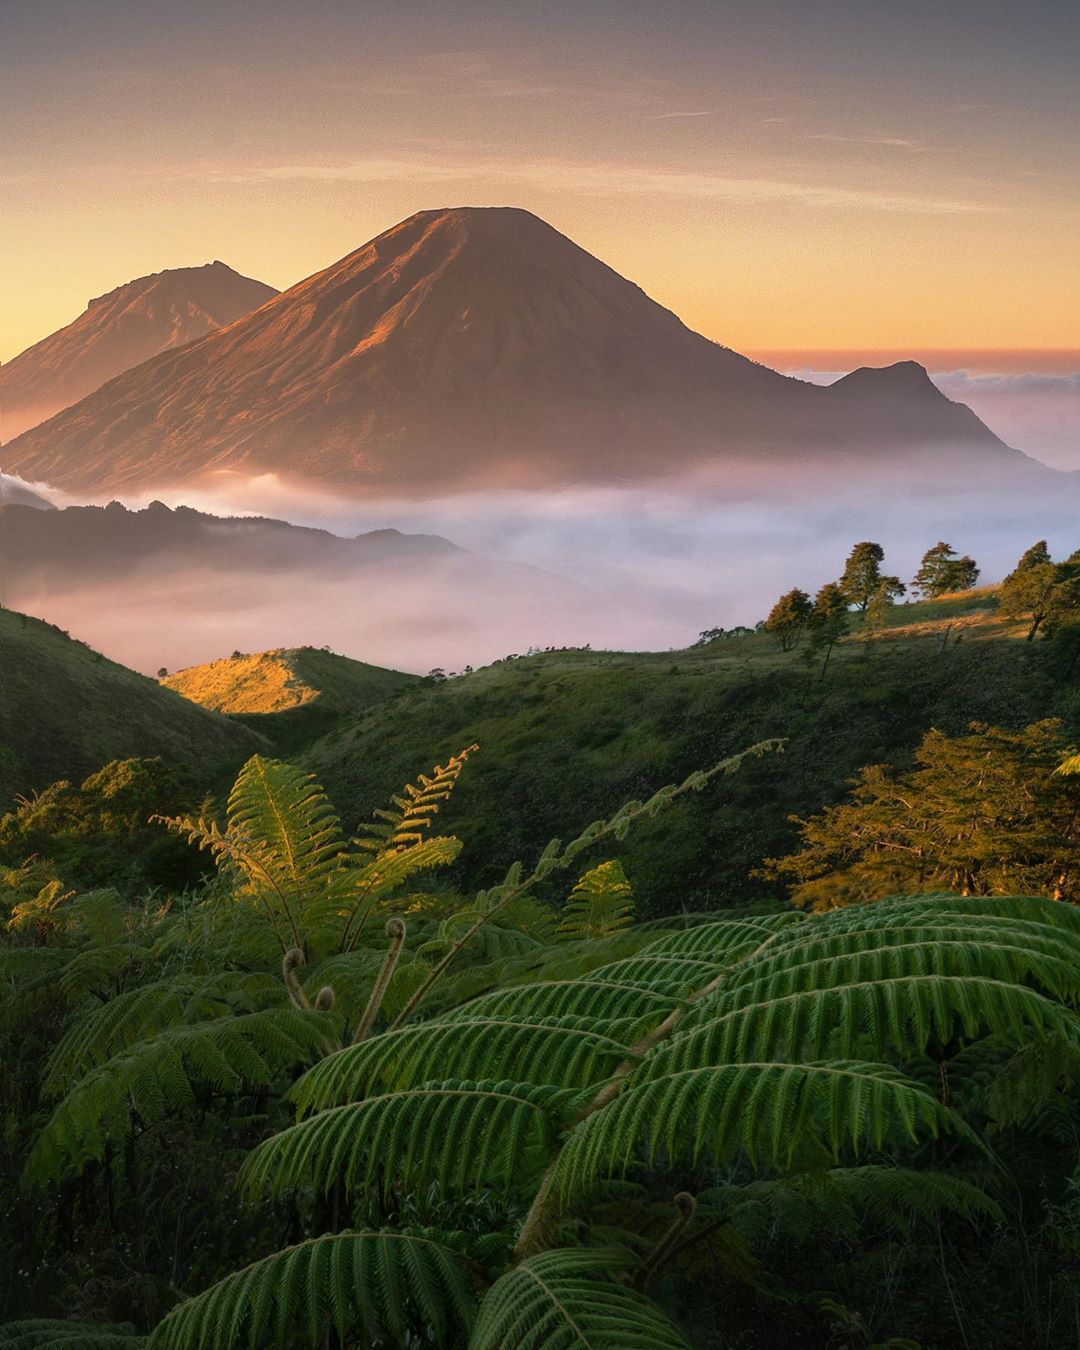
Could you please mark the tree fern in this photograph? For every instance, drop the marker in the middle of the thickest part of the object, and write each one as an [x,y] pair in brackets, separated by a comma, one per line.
[148,1010]
[590,996]
[409,821]
[569,1299]
[160,1076]
[380,1285]
[460,1134]
[839,1200]
[766,1112]
[600,904]
[873,1017]
[282,837]
[561,1051]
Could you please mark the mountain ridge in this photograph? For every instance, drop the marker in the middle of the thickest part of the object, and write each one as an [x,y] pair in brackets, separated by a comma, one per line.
[472,346]
[118,330]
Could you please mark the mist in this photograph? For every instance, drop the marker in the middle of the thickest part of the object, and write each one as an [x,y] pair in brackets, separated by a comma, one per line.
[627,568]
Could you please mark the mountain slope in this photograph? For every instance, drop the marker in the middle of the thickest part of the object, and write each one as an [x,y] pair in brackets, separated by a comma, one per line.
[117,331]
[65,710]
[471,346]
[571,736]
[285,679]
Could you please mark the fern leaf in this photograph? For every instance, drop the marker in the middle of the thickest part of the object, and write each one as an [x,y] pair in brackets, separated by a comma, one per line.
[605,1000]
[160,1076]
[840,1200]
[408,823]
[377,1284]
[152,1008]
[600,904]
[567,1299]
[763,1111]
[873,1017]
[459,1134]
[563,1052]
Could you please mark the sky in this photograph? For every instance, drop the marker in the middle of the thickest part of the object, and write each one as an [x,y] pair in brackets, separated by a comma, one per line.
[846,174]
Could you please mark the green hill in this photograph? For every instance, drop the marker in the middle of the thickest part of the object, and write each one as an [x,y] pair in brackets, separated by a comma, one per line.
[568,736]
[65,710]
[292,695]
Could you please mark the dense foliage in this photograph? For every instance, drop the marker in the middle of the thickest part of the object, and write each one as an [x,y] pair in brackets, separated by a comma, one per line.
[326,1101]
[981,814]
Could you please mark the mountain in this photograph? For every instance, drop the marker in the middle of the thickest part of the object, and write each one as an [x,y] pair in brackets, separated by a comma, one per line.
[174,588]
[120,330]
[476,346]
[65,711]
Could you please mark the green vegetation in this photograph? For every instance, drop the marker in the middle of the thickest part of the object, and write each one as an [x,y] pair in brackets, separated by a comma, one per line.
[314,1106]
[981,814]
[289,695]
[577,732]
[65,711]
[375,1066]
[942,571]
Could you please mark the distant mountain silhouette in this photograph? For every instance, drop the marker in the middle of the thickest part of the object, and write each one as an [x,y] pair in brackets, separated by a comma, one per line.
[87,545]
[476,346]
[119,330]
[176,588]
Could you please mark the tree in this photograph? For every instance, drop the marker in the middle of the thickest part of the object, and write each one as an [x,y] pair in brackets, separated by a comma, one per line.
[1042,591]
[862,573]
[828,621]
[162,672]
[1035,556]
[981,814]
[877,611]
[788,618]
[942,571]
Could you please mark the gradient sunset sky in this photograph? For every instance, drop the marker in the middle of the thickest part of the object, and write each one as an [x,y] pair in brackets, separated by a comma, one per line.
[782,173]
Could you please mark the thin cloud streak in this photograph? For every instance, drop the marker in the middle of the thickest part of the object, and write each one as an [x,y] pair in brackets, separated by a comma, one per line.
[621,180]
[893,142]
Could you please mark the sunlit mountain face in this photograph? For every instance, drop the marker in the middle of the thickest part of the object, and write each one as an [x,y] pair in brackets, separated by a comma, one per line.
[479,348]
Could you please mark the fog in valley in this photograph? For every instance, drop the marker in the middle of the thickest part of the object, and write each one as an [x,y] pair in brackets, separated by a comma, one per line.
[628,568]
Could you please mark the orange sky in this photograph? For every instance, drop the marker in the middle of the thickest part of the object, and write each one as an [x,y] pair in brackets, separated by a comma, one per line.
[782,176]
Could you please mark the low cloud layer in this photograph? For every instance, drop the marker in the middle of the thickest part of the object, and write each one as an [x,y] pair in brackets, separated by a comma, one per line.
[629,568]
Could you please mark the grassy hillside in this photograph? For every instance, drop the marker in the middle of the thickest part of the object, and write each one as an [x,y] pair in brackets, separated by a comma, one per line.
[292,695]
[565,737]
[65,710]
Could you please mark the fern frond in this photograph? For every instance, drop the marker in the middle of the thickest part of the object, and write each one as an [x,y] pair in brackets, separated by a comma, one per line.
[728,939]
[874,1017]
[840,1200]
[763,1111]
[407,824]
[459,1134]
[561,1051]
[159,1076]
[568,1299]
[377,1284]
[282,837]
[152,1008]
[600,904]
[603,999]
